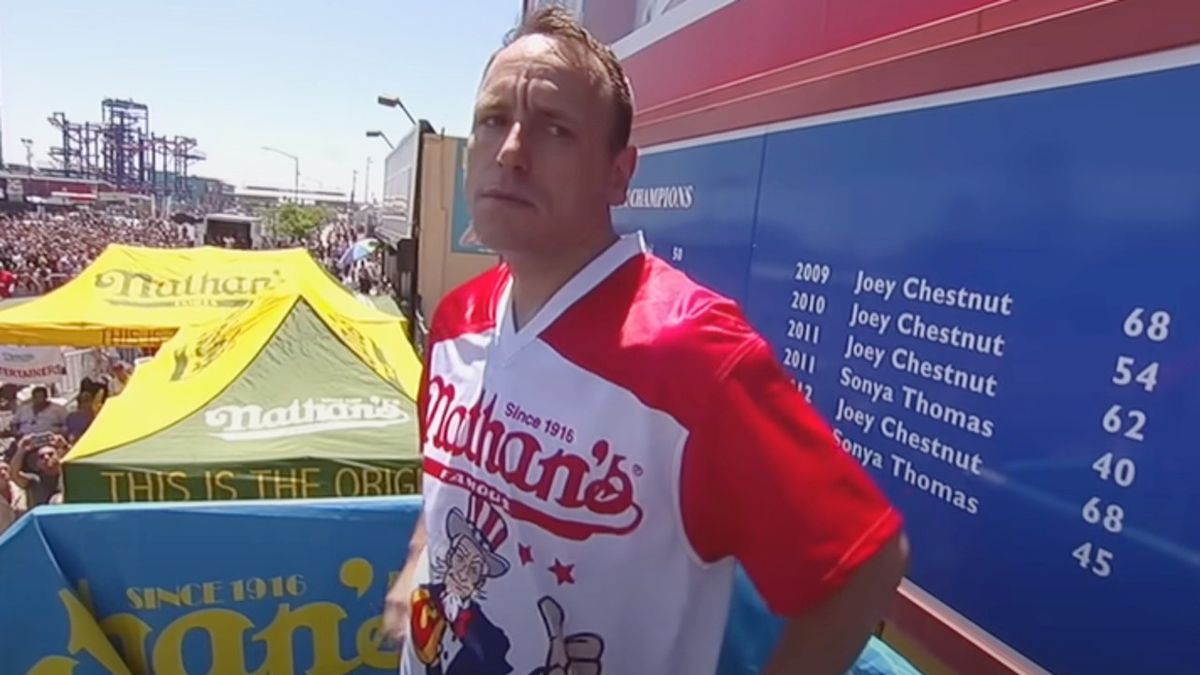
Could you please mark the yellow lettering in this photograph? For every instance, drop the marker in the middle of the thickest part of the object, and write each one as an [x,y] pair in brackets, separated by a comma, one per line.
[372,482]
[211,590]
[112,476]
[135,489]
[222,479]
[175,479]
[83,590]
[290,483]
[176,598]
[85,635]
[321,619]
[406,481]
[225,629]
[337,483]
[368,641]
[54,665]
[309,484]
[135,598]
[262,481]
[129,633]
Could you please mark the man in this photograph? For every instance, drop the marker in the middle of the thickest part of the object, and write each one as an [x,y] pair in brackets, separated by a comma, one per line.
[81,418]
[637,434]
[44,481]
[40,415]
[7,281]
[12,498]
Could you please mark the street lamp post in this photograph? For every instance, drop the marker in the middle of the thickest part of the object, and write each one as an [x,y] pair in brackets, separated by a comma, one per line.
[28,143]
[296,177]
[367,183]
[380,134]
[395,102]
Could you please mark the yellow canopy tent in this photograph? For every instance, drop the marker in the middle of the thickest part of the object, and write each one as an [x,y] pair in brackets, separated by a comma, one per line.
[286,397]
[132,296]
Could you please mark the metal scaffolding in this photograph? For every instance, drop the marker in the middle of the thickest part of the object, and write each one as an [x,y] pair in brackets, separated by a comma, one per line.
[122,151]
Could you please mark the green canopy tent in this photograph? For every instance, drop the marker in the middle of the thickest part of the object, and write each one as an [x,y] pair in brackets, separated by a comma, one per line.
[284,399]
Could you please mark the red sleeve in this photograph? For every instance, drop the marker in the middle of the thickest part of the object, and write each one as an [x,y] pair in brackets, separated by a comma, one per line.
[765,482]
[431,338]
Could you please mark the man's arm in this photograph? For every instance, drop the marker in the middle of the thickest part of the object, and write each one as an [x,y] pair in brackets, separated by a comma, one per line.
[396,605]
[19,476]
[829,638]
[766,482]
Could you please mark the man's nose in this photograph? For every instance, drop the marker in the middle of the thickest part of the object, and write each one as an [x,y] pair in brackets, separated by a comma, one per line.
[513,152]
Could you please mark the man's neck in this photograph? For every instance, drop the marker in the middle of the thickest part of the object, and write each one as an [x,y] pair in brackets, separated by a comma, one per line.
[537,278]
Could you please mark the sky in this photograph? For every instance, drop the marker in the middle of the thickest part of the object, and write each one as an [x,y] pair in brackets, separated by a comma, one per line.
[298,75]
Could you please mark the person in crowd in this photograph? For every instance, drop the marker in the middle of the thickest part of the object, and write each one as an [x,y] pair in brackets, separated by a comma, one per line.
[7,281]
[12,498]
[80,419]
[119,378]
[645,430]
[44,478]
[40,415]
[8,396]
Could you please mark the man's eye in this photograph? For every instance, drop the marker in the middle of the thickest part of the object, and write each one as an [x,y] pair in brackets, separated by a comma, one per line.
[557,130]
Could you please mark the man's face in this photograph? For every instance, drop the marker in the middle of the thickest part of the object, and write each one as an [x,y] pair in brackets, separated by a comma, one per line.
[5,473]
[47,460]
[465,569]
[541,171]
[39,398]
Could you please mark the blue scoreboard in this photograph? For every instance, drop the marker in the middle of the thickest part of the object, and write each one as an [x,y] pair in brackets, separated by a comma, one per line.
[994,302]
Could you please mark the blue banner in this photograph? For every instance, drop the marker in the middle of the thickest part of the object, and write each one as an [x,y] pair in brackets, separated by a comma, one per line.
[990,303]
[280,587]
[462,235]
[696,208]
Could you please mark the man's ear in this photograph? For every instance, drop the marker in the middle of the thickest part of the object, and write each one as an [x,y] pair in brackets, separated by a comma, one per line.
[623,166]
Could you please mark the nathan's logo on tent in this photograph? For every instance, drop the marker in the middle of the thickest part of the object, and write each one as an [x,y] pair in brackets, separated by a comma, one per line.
[310,416]
[366,348]
[139,289]
[192,358]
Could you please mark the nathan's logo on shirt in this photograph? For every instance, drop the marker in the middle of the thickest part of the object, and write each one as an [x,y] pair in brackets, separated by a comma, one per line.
[593,489]
[662,197]
[139,289]
[252,422]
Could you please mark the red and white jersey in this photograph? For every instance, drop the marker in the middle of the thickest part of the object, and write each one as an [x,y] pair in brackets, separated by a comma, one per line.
[591,478]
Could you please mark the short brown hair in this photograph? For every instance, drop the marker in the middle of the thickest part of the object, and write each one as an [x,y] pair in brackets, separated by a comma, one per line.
[556,22]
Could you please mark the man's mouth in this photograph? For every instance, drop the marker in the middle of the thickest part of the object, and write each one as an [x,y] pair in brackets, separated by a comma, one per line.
[506,196]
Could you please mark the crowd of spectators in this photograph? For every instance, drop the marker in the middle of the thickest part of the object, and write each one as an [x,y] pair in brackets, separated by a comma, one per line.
[328,246]
[36,434]
[40,252]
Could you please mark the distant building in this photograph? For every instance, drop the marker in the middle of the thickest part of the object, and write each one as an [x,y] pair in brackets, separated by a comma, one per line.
[254,198]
